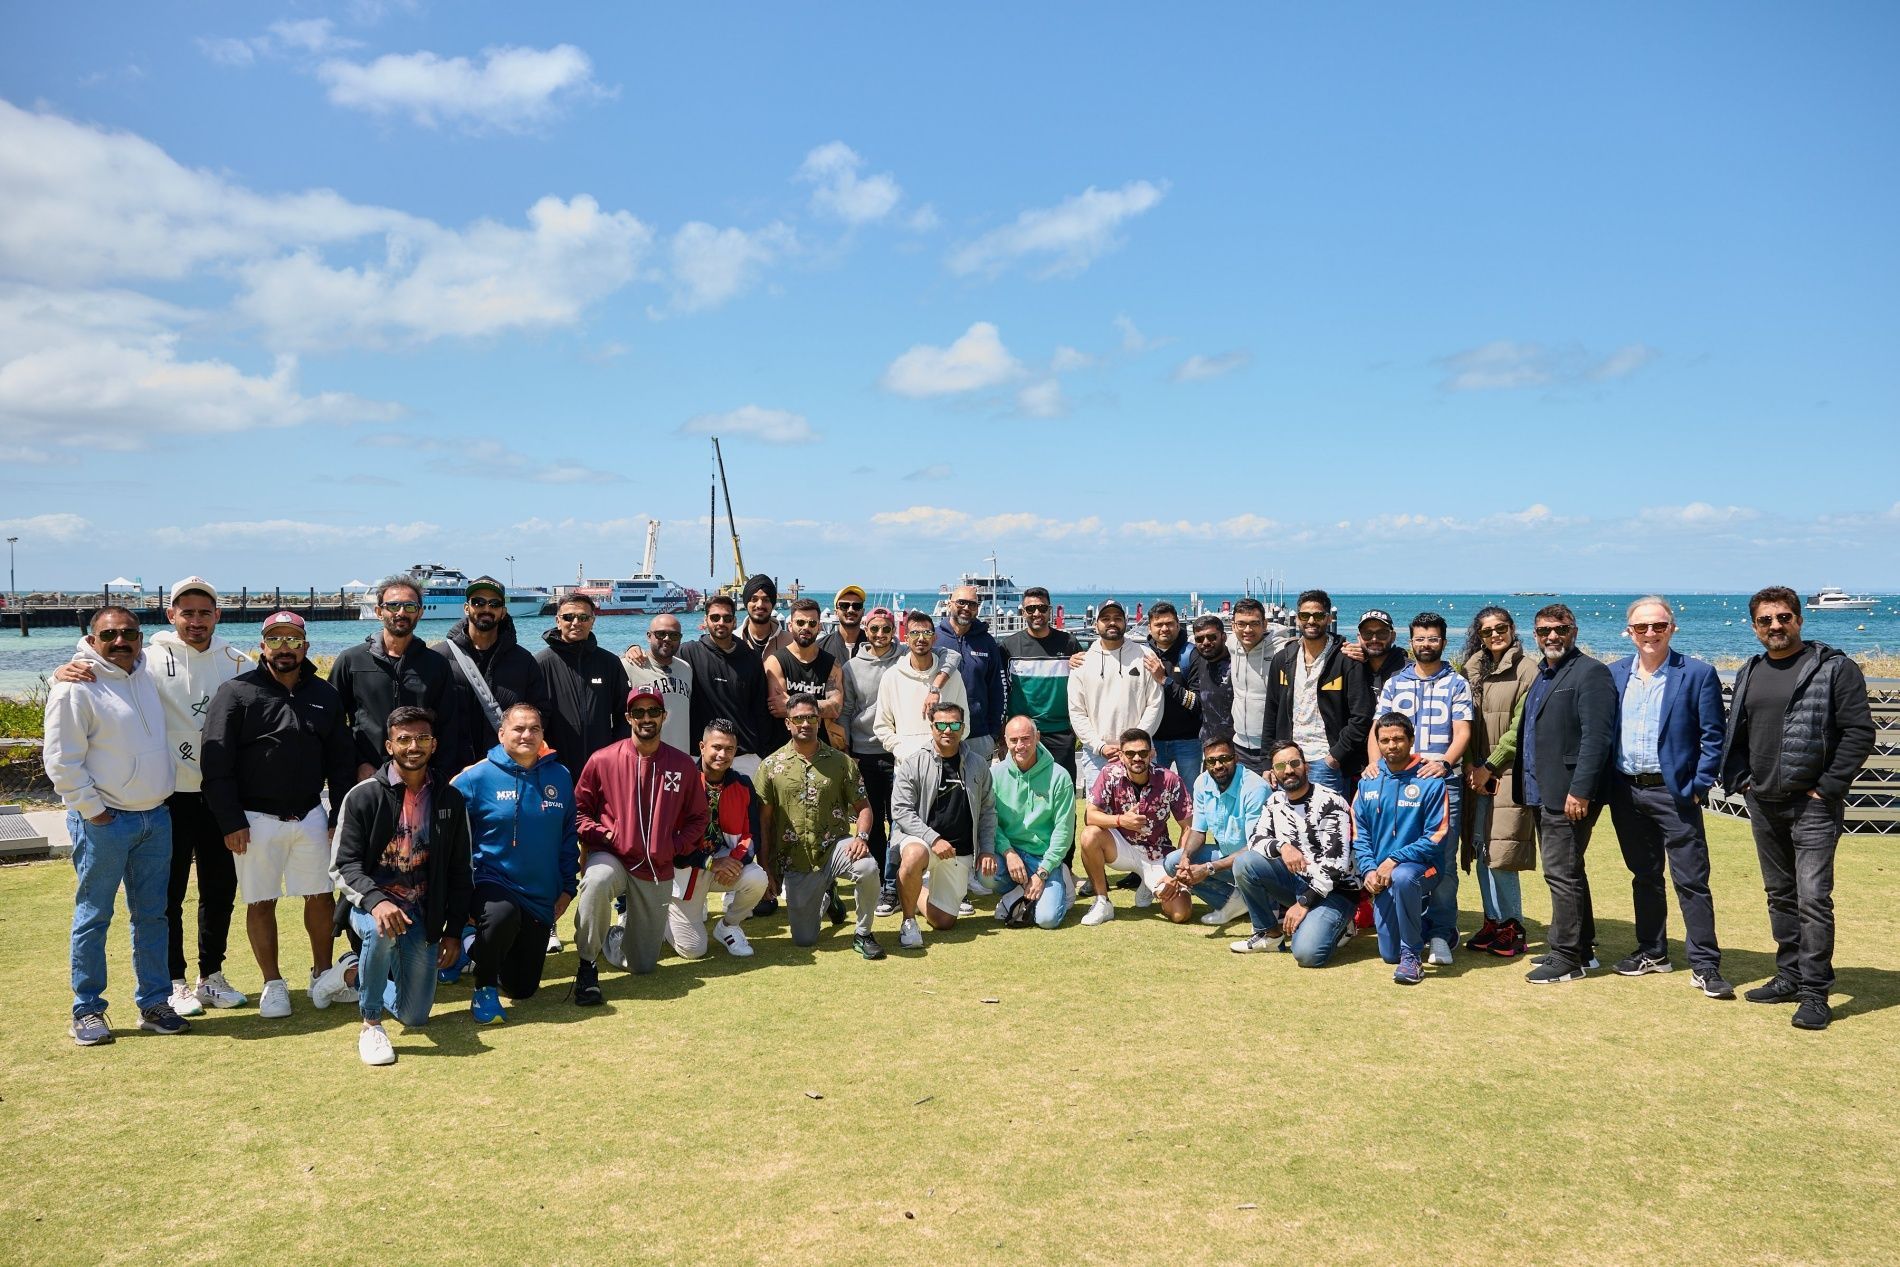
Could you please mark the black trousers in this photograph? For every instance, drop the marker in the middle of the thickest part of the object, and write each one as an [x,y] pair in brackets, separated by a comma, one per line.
[1061,746]
[196,837]
[1795,841]
[1654,825]
[880,774]
[1573,921]
[1254,759]
[511,946]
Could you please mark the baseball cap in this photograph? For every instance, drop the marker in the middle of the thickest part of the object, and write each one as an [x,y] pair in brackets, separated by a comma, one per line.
[283,618]
[639,693]
[485,583]
[1116,603]
[1378,614]
[192,584]
[847,592]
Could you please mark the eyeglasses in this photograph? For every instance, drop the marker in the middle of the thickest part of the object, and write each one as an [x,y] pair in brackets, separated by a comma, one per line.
[492,603]
[803,719]
[1137,754]
[403,609]
[281,641]
[1776,618]
[412,741]
[1556,631]
[574,618]
[849,607]
[947,727]
[1649,627]
[1494,631]
[118,635]
[645,714]
[1030,609]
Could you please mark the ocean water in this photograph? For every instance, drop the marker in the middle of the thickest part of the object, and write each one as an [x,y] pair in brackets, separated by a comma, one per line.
[1712,626]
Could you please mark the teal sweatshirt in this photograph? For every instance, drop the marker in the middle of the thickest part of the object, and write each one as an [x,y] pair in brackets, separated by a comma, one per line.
[1032,807]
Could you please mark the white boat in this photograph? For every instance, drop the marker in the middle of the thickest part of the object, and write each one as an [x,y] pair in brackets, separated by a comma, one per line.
[645,593]
[444,590]
[1832,598]
[999,600]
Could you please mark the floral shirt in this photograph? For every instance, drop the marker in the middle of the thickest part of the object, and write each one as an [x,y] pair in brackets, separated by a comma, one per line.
[1162,796]
[813,804]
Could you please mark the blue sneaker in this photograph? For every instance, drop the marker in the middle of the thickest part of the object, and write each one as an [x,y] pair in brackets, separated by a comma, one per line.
[486,1007]
[453,973]
[1409,971]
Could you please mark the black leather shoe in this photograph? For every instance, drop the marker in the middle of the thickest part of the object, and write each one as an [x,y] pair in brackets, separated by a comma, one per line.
[587,985]
[1812,1014]
[866,945]
[1774,990]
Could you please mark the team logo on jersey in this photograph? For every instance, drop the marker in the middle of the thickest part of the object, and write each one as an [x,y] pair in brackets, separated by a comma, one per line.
[551,792]
[1409,793]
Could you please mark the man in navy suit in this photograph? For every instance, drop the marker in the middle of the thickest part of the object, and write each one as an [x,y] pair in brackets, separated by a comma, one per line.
[1668,755]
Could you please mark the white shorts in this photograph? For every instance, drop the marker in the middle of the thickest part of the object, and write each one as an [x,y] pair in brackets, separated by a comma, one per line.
[1134,858]
[948,879]
[284,859]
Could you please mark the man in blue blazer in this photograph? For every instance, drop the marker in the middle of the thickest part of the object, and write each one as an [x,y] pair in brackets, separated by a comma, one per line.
[1668,756]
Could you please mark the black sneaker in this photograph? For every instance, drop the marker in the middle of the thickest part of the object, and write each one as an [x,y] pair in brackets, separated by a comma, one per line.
[1812,1014]
[1541,960]
[1552,972]
[768,905]
[834,907]
[1774,990]
[160,1019]
[1131,881]
[1640,964]
[1710,982]
[886,901]
[866,945]
[90,1030]
[587,985]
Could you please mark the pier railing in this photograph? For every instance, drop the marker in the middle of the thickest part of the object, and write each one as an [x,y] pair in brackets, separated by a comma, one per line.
[1873,799]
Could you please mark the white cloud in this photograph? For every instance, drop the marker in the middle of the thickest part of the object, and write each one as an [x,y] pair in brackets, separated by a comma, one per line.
[1067,237]
[839,191]
[292,535]
[63,528]
[311,35]
[935,471]
[768,426]
[511,89]
[709,266]
[1505,364]
[943,522]
[1134,342]
[1243,527]
[1623,362]
[1198,369]
[923,220]
[482,458]
[1068,360]
[1698,515]
[1042,400]
[976,361]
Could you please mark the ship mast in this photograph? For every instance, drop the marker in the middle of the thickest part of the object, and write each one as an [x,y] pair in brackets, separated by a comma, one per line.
[653,544]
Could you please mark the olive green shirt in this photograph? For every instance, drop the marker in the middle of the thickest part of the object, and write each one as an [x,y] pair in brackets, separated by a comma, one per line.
[814,804]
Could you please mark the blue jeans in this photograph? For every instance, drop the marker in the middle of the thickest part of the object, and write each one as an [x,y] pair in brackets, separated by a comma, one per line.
[1217,888]
[1502,894]
[1441,913]
[1399,911]
[1058,891]
[1267,884]
[134,849]
[1184,755]
[409,959]
[1322,774]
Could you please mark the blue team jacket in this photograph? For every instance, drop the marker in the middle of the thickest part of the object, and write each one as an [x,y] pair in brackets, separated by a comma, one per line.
[1402,815]
[522,830]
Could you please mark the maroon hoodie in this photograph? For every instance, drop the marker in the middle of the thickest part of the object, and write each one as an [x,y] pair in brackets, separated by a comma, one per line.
[646,811]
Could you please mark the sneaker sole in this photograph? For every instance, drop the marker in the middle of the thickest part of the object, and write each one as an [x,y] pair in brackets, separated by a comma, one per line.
[1571,976]
[150,1028]
[91,1042]
[1716,994]
[1647,969]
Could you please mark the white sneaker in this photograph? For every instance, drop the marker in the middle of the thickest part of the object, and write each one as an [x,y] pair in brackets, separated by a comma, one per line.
[733,938]
[909,936]
[613,948]
[184,1000]
[554,942]
[1101,912]
[1439,952]
[329,987]
[275,1001]
[215,991]
[1227,914]
[374,1047]
[964,908]
[1255,944]
[1144,896]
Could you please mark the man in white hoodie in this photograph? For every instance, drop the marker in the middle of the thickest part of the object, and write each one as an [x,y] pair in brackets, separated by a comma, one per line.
[187,664]
[1110,692]
[912,686]
[108,758]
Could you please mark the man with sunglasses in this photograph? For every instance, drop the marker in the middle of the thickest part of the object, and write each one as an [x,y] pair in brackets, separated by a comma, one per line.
[392,668]
[669,673]
[492,670]
[943,813]
[274,736]
[980,663]
[863,675]
[1206,683]
[1798,733]
[1566,744]
[728,682]
[1110,692]
[802,667]
[586,686]
[1668,754]
[1318,696]
[1037,658]
[843,641]
[1228,800]
[107,756]
[1125,825]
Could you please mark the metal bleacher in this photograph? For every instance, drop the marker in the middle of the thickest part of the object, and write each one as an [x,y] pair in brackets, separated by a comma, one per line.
[1873,800]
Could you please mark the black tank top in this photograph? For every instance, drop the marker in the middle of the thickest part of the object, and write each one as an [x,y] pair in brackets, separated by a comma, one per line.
[805,679]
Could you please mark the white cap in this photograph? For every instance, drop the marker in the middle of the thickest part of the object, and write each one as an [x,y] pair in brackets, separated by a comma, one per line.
[191,583]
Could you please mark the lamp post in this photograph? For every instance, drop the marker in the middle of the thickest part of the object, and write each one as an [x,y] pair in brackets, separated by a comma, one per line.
[13,593]
[511,571]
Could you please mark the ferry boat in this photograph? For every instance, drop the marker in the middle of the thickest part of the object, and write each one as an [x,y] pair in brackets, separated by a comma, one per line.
[1832,598]
[443,591]
[645,593]
[999,600]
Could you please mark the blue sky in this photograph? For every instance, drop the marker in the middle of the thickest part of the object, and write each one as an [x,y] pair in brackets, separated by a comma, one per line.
[1368,296]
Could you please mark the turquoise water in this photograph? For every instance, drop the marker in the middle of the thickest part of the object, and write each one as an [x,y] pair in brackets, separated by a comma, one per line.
[1709,625]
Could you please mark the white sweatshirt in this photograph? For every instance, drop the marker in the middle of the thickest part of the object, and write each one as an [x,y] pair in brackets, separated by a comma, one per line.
[186,680]
[901,725]
[105,739]
[1110,692]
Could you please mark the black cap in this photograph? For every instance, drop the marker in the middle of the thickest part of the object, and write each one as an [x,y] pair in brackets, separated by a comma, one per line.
[1374,613]
[485,583]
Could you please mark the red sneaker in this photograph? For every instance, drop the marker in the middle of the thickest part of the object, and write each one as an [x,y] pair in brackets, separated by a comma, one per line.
[1485,937]
[1511,941]
[1362,914]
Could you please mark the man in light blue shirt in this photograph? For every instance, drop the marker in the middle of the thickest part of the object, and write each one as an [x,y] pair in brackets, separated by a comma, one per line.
[1228,801]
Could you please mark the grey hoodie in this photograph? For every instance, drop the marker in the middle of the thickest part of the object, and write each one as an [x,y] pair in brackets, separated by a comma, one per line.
[105,739]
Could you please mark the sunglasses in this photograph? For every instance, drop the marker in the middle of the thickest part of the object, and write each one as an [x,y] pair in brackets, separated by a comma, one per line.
[403,609]
[1776,618]
[1311,618]
[803,719]
[919,633]
[719,618]
[1136,754]
[1559,631]
[1649,627]
[645,714]
[1030,609]
[804,624]
[658,634]
[1493,631]
[282,641]
[1210,637]
[572,618]
[849,607]
[1214,761]
[118,635]
[493,604]
[963,602]
[1293,763]
[879,629]
[947,727]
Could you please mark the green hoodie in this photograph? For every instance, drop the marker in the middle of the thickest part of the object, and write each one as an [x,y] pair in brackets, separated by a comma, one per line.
[1034,807]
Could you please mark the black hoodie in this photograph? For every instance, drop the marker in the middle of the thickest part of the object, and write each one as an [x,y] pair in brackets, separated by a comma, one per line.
[373,686]
[271,750]
[586,690]
[512,677]
[729,684]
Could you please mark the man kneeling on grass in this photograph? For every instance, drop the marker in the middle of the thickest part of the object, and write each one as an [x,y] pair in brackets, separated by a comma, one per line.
[1299,861]
[1228,800]
[527,862]
[401,857]
[721,861]
[943,815]
[1035,829]
[1401,818]
[1126,823]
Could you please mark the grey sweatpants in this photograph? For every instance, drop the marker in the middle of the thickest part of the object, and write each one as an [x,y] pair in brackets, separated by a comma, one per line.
[644,925]
[805,893]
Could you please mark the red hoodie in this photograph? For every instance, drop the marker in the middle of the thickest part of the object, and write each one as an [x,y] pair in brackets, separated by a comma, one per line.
[646,811]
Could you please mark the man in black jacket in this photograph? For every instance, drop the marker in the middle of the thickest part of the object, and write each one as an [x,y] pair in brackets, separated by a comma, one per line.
[481,648]
[273,736]
[1206,683]
[585,684]
[1799,731]
[729,682]
[390,669]
[1178,738]
[1320,698]
[402,859]
[1566,743]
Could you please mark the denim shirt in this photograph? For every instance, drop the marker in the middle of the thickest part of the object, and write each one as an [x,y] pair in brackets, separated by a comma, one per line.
[1641,721]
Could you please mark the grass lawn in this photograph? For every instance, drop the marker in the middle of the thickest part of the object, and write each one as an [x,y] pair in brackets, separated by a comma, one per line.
[1132,1093]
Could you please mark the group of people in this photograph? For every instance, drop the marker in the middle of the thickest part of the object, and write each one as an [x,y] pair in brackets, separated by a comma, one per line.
[476,791]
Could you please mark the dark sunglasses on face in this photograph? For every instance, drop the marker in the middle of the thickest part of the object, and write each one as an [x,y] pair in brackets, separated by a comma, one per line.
[1311,618]
[849,607]
[1210,762]
[947,727]
[719,618]
[803,719]
[1649,627]
[493,604]
[282,641]
[1031,608]
[1776,618]
[645,714]
[1554,631]
[403,609]
[1289,765]
[576,617]
[1210,637]
[657,634]
[804,624]
[1136,754]
[1493,631]
[118,635]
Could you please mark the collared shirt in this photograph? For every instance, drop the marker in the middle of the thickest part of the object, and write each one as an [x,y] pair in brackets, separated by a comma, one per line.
[1162,797]
[813,803]
[1642,720]
[1224,815]
[1433,703]
[1533,705]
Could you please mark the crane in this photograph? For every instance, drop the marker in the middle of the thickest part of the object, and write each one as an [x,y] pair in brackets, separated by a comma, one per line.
[737,584]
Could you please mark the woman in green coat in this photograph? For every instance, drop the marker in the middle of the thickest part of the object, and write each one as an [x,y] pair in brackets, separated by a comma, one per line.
[1499,834]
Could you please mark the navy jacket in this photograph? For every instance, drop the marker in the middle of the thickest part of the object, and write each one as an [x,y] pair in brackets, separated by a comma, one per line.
[1575,733]
[1689,737]
[982,666]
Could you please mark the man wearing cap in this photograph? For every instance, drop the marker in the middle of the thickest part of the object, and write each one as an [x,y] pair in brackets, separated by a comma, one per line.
[492,670]
[661,667]
[980,662]
[586,685]
[1375,649]
[761,630]
[187,663]
[392,668]
[273,736]
[641,805]
[1109,693]
[721,862]
[843,642]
